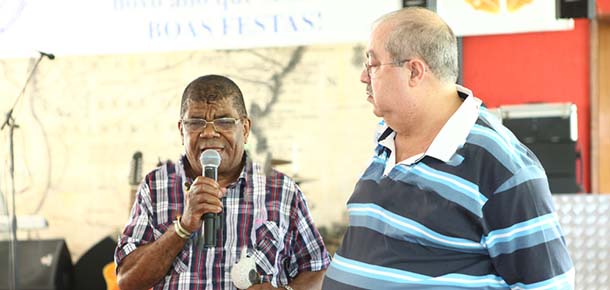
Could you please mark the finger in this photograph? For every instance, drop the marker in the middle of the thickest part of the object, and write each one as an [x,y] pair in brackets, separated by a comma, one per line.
[198,205]
[206,180]
[208,208]
[202,198]
[211,185]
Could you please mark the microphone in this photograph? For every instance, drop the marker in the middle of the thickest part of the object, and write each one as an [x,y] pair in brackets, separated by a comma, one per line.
[210,160]
[244,273]
[49,55]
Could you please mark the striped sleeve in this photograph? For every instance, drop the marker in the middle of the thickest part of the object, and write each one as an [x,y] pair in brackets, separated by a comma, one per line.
[143,226]
[137,230]
[288,243]
[523,236]
[309,252]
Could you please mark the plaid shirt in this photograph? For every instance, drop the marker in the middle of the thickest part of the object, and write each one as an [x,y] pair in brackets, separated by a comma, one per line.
[265,215]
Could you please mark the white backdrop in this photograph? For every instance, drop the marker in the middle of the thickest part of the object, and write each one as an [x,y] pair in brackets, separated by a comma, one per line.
[126,26]
[85,27]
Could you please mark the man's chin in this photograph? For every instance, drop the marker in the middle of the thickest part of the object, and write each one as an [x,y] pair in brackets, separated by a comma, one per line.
[377,113]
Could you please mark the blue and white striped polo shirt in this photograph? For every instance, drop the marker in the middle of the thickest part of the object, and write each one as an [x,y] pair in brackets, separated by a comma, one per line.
[472,212]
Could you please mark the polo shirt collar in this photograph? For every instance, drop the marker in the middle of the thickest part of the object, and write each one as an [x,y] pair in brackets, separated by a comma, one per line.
[450,138]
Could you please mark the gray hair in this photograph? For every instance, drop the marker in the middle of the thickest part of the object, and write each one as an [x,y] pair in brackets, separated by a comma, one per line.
[422,33]
[213,88]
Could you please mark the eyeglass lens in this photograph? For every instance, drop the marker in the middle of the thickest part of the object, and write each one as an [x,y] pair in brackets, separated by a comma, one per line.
[220,125]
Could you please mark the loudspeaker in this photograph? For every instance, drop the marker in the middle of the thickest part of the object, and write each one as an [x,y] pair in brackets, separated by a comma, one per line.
[558,159]
[550,130]
[41,265]
[541,129]
[88,270]
[430,4]
[575,9]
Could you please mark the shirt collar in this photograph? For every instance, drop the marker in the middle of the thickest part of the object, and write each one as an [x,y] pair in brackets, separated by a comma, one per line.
[451,136]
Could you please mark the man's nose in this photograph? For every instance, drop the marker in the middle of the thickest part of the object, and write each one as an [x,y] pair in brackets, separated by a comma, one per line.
[208,131]
[364,76]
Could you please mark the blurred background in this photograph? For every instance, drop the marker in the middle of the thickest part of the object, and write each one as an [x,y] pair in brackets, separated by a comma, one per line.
[84,120]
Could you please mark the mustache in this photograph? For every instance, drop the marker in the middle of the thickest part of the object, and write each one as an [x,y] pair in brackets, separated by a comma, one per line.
[369,90]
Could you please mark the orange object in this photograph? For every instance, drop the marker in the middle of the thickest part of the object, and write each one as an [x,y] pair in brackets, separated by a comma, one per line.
[491,6]
[514,5]
[109,273]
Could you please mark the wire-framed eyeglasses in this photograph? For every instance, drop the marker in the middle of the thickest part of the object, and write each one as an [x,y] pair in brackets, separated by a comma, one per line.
[220,124]
[371,69]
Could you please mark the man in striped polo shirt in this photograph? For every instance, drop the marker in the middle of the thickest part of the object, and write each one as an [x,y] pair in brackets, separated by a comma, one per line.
[264,216]
[451,199]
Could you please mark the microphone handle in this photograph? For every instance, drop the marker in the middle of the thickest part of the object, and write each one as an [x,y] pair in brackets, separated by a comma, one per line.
[209,230]
[209,225]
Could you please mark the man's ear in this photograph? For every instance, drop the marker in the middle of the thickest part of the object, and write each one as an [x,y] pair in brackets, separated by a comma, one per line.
[181,132]
[246,123]
[418,69]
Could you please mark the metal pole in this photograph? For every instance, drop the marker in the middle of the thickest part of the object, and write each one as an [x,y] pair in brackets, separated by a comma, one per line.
[10,122]
[13,281]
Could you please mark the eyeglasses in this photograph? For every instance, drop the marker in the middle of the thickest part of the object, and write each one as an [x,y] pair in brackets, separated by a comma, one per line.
[220,124]
[371,69]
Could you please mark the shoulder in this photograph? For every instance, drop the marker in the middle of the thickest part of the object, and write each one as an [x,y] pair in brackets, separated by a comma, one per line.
[490,136]
[163,171]
[275,182]
[500,159]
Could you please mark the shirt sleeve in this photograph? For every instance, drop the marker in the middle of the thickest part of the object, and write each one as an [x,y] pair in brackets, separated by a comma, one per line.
[137,231]
[523,235]
[310,253]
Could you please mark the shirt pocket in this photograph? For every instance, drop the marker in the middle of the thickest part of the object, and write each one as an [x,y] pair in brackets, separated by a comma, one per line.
[269,247]
[181,263]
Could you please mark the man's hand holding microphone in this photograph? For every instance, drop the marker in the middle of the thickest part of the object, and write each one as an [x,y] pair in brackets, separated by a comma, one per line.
[202,200]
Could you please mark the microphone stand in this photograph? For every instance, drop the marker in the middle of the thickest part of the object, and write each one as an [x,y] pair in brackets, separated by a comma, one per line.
[12,224]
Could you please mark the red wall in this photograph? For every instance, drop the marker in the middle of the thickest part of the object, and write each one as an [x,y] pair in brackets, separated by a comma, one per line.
[603,7]
[533,67]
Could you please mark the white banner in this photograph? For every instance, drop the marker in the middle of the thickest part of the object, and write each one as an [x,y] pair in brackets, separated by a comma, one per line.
[77,27]
[477,17]
[124,26]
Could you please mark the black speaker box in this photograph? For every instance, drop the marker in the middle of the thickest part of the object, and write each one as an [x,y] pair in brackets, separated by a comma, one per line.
[550,131]
[559,162]
[41,265]
[430,4]
[540,130]
[558,159]
[575,9]
[563,184]
[88,270]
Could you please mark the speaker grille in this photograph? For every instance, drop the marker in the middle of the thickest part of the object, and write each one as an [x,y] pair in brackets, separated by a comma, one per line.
[41,265]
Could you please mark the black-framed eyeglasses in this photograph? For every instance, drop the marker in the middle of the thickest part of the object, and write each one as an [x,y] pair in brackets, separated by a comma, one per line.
[220,124]
[371,69]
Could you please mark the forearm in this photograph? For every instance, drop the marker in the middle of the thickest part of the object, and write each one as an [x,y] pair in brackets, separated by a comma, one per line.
[148,264]
[308,280]
[303,281]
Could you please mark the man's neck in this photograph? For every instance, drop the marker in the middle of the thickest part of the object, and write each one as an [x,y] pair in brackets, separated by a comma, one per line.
[416,139]
[225,180]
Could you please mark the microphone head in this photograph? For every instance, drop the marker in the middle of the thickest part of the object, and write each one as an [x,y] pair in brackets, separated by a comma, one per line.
[210,157]
[244,273]
[48,55]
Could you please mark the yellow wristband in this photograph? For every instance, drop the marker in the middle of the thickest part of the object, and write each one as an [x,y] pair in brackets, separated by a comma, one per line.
[180,231]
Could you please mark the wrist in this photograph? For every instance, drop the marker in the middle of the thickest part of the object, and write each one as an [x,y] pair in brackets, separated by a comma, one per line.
[186,223]
[180,230]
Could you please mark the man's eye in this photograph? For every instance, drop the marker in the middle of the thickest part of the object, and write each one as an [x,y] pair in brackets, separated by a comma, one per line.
[196,122]
[224,122]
